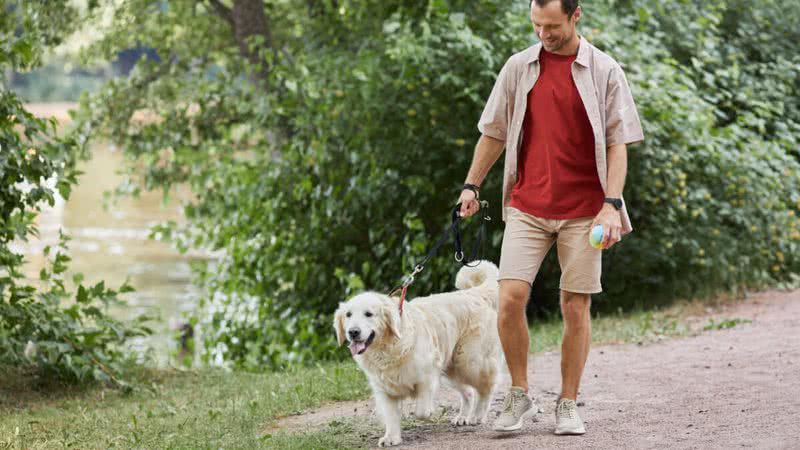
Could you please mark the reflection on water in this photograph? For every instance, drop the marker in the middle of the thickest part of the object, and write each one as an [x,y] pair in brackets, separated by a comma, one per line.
[112,245]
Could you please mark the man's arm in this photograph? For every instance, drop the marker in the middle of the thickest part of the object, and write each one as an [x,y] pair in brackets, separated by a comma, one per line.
[609,217]
[486,153]
[617,159]
[623,128]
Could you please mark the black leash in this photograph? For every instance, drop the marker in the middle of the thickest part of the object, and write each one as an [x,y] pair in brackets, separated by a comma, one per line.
[476,246]
[459,253]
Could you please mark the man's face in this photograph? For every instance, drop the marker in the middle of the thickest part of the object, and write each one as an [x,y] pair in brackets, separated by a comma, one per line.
[554,28]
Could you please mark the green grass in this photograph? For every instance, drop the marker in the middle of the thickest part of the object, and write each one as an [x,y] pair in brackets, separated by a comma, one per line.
[633,327]
[336,434]
[211,408]
[725,323]
[197,410]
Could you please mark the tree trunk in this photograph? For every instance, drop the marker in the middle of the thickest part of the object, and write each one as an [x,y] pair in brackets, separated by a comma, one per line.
[247,19]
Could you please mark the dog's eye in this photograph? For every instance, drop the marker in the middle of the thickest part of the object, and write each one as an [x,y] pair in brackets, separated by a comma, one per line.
[368,314]
[348,314]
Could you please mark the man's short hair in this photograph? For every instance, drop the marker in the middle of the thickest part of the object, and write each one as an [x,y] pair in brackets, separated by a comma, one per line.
[568,6]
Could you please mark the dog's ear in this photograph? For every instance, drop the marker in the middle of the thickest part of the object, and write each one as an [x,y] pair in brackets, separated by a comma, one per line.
[391,317]
[338,324]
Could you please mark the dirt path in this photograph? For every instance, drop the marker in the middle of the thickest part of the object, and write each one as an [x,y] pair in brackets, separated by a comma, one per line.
[730,388]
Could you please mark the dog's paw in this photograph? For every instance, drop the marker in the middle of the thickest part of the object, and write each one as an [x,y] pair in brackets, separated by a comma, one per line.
[474,421]
[459,420]
[389,441]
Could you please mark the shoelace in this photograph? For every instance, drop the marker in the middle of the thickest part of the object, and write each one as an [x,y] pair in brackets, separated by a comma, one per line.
[566,410]
[509,403]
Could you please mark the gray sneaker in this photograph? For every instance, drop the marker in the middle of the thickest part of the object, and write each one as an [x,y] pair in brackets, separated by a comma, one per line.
[567,419]
[517,406]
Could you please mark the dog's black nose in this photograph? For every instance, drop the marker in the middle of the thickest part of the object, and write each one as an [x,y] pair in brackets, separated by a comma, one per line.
[353,333]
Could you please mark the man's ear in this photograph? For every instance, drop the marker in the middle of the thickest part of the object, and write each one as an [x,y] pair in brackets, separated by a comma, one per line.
[391,317]
[338,324]
[577,14]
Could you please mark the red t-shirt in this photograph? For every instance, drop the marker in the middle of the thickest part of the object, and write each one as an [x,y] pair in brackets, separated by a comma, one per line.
[557,172]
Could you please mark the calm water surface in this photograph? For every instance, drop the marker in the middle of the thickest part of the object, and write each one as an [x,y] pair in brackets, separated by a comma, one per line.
[112,244]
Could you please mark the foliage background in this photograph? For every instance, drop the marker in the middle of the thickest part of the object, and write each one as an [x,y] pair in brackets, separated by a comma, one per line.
[47,328]
[326,141]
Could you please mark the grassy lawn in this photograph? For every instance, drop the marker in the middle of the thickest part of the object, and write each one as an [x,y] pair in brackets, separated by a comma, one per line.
[216,409]
[197,410]
[639,326]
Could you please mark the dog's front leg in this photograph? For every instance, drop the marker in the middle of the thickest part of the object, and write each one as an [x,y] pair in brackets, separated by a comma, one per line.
[462,418]
[479,408]
[390,411]
[426,394]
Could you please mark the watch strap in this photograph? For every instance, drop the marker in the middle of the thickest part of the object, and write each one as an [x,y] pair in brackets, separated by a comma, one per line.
[615,202]
[474,188]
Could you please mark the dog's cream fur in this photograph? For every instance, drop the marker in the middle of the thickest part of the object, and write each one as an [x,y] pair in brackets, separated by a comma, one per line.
[452,334]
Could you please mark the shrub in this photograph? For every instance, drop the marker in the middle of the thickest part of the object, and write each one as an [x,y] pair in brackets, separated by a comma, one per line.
[331,165]
[44,326]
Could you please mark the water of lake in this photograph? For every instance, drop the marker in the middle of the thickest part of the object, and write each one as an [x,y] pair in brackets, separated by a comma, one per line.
[112,245]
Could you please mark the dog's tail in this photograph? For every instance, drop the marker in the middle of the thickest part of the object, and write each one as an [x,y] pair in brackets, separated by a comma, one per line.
[470,277]
[484,274]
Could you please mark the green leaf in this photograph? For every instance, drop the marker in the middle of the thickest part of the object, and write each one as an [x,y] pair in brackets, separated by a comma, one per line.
[82,295]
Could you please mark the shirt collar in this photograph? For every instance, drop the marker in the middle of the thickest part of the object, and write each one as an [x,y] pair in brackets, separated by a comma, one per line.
[583,57]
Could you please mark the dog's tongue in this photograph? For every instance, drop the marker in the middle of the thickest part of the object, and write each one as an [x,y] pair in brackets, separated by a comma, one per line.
[357,347]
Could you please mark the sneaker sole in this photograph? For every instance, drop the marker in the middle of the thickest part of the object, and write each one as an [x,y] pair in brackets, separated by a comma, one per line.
[570,432]
[529,413]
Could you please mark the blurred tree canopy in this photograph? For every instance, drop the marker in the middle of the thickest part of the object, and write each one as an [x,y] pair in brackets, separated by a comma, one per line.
[326,141]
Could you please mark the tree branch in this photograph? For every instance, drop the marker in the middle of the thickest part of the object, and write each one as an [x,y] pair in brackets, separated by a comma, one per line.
[223,11]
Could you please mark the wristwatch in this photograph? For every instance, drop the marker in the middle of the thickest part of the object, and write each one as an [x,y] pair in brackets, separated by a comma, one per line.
[615,202]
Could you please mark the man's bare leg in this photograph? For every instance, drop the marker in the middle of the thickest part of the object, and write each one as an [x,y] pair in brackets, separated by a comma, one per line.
[513,330]
[577,338]
[512,326]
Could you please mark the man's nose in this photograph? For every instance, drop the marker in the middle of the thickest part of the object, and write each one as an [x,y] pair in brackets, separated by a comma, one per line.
[354,333]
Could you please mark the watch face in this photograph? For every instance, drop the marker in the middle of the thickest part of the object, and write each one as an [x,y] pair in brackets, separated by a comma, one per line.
[616,202]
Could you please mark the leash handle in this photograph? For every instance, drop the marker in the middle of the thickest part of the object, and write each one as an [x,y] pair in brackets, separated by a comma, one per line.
[456,218]
[459,253]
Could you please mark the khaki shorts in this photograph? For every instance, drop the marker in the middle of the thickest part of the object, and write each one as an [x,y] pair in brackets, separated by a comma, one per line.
[527,239]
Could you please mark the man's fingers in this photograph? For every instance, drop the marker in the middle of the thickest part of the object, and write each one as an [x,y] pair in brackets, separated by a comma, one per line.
[468,203]
[606,236]
[469,208]
[472,207]
[615,236]
[465,209]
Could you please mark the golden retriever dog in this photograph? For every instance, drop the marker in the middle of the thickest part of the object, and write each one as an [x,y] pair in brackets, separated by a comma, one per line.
[452,334]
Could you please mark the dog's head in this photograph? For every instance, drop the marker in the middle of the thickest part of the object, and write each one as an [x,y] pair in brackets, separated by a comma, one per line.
[366,318]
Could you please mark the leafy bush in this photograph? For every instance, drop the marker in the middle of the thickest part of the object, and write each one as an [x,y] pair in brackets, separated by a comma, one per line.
[43,325]
[715,188]
[330,165]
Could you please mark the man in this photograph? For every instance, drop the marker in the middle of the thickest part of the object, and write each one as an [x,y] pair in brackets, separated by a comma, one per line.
[564,113]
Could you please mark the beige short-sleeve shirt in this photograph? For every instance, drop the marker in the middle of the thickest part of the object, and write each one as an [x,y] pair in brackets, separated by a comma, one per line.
[605,94]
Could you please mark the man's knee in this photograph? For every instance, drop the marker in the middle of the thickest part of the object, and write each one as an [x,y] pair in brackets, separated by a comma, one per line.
[575,308]
[513,296]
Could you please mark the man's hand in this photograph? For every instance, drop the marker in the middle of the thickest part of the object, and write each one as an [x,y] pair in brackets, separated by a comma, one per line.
[611,221]
[469,203]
